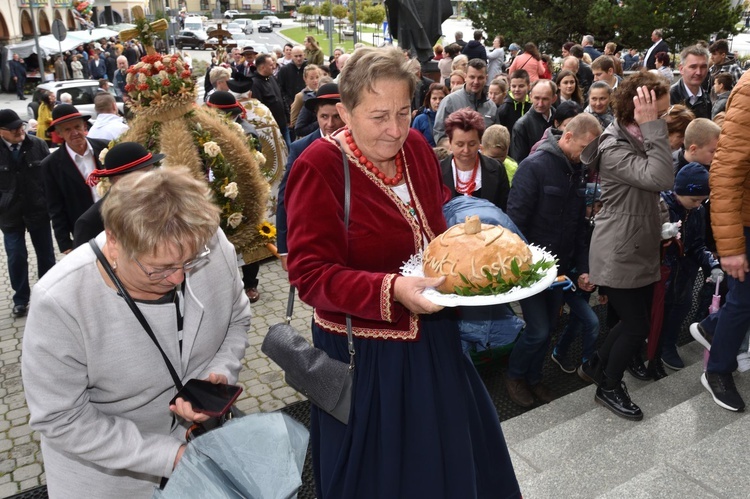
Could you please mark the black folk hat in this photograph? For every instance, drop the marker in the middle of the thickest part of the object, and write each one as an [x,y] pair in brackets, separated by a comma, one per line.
[125,157]
[225,102]
[63,113]
[326,94]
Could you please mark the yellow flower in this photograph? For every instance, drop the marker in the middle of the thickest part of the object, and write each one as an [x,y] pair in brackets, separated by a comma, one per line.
[266,229]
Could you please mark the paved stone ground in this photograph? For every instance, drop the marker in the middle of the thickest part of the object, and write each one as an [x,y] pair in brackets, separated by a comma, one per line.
[21,465]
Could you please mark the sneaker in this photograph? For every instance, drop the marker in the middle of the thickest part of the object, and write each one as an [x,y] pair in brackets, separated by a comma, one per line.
[701,335]
[518,391]
[672,360]
[542,392]
[618,401]
[722,389]
[565,364]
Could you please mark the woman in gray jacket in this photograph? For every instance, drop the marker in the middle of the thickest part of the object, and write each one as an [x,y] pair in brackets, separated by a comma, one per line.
[633,159]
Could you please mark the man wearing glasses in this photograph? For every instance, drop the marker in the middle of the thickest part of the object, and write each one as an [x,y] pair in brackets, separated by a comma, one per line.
[23,206]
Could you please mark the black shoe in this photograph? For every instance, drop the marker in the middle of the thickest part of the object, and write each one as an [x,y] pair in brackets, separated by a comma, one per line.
[22,98]
[701,335]
[542,392]
[590,371]
[656,370]
[722,389]
[672,359]
[564,363]
[618,401]
[20,310]
[637,368]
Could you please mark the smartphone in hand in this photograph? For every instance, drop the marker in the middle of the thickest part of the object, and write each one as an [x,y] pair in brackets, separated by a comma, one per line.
[208,398]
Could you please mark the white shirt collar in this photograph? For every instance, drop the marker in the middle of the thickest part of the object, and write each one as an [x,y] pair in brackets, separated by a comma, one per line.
[74,155]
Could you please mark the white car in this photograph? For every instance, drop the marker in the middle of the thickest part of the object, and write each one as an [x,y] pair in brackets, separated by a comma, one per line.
[82,93]
[275,21]
[235,29]
[230,14]
[246,25]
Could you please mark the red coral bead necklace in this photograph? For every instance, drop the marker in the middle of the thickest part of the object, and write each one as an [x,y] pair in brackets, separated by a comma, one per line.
[395,180]
[470,185]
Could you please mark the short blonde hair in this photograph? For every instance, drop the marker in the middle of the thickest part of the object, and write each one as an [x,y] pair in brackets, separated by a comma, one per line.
[147,210]
[496,136]
[218,74]
[700,132]
[457,60]
[369,65]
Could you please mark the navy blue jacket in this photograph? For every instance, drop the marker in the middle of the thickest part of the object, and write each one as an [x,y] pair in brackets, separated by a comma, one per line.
[475,50]
[547,202]
[294,151]
[692,237]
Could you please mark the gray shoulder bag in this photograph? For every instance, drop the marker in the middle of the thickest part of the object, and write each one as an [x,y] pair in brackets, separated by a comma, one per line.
[326,382]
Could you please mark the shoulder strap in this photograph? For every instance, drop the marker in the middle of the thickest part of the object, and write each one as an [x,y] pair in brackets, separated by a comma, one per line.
[136,311]
[347,203]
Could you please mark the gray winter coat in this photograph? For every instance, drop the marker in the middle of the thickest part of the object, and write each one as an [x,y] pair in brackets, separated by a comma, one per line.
[625,245]
[459,100]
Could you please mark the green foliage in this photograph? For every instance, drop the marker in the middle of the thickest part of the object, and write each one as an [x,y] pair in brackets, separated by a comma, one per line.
[374,15]
[305,11]
[498,285]
[325,9]
[550,23]
[339,12]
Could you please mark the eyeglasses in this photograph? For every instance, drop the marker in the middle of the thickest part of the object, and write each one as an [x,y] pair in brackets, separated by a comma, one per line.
[664,115]
[158,275]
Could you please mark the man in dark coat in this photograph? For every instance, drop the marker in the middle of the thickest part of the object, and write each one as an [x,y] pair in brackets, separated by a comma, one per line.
[688,90]
[110,63]
[97,66]
[266,89]
[18,74]
[531,126]
[291,77]
[659,45]
[130,54]
[22,206]
[66,171]
[546,205]
[475,49]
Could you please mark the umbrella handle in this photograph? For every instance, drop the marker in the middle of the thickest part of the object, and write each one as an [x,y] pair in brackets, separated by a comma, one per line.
[563,282]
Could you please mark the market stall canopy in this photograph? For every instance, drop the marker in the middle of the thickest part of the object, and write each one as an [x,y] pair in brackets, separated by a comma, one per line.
[49,46]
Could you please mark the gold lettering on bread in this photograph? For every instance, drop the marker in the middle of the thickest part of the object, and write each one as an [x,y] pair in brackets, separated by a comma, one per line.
[472,249]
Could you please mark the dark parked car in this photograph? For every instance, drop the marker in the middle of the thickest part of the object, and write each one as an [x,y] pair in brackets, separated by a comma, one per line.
[264,25]
[190,39]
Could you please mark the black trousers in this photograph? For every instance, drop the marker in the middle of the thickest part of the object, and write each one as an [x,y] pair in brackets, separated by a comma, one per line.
[626,338]
[250,275]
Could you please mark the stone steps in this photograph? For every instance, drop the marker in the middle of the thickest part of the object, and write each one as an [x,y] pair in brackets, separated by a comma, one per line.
[574,447]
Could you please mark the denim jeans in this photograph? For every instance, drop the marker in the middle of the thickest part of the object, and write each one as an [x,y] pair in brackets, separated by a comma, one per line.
[541,313]
[582,318]
[734,320]
[18,259]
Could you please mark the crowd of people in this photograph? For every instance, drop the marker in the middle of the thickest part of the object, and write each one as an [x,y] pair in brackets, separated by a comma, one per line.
[621,176]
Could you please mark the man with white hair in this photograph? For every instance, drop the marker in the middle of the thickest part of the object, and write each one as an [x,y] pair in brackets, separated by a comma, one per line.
[66,98]
[218,78]
[588,46]
[120,75]
[341,63]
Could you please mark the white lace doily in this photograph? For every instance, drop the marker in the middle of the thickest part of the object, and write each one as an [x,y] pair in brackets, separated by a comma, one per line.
[413,267]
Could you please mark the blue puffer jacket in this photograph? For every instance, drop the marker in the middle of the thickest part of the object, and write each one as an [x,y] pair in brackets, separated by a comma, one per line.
[425,122]
[548,204]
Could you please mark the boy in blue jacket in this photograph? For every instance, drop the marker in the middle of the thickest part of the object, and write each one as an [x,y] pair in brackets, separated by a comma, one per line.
[684,256]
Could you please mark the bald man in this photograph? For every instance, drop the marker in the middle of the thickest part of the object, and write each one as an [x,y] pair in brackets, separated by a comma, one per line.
[291,76]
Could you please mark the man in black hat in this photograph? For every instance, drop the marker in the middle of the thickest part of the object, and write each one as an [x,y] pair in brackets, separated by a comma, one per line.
[22,206]
[124,158]
[246,69]
[329,120]
[65,172]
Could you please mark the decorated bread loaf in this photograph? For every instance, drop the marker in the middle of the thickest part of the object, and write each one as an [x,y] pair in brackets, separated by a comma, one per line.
[466,252]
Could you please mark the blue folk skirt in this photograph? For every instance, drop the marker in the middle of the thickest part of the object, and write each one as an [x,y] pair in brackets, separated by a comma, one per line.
[422,424]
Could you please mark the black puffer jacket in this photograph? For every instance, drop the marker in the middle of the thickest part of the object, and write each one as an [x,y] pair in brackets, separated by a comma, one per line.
[547,202]
[475,50]
[22,203]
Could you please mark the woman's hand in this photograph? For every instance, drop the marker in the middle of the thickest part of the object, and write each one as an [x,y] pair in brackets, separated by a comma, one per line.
[645,106]
[408,292]
[185,410]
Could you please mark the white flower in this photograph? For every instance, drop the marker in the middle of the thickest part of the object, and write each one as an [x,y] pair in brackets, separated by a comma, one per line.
[142,78]
[239,127]
[212,149]
[231,190]
[259,158]
[234,220]
[166,59]
[158,65]
[102,155]
[163,75]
